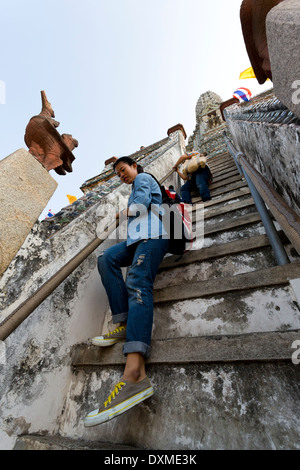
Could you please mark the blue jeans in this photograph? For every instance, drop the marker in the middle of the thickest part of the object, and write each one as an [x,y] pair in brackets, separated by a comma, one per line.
[200,180]
[132,302]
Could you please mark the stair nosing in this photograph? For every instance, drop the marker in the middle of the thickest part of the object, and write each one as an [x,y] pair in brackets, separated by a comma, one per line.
[267,277]
[233,224]
[225,209]
[235,194]
[221,250]
[227,188]
[248,347]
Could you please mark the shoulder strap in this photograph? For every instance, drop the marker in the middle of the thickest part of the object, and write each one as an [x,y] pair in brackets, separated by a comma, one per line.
[164,194]
[152,177]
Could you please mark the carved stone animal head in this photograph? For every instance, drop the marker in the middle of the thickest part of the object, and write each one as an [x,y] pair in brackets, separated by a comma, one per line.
[69,141]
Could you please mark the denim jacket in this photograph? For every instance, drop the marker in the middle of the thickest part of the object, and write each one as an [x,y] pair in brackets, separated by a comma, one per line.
[142,222]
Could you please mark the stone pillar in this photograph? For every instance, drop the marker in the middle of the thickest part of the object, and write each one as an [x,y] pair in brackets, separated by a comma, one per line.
[283,33]
[26,187]
[178,127]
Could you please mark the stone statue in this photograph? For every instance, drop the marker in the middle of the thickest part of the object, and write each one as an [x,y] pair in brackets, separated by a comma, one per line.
[253,19]
[52,150]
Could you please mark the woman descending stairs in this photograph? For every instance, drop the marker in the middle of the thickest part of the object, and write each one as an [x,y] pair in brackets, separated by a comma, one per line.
[225,321]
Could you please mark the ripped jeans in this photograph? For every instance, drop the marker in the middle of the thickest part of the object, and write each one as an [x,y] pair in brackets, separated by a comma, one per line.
[132,302]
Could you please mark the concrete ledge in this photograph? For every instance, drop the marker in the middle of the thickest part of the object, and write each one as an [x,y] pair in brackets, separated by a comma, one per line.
[262,347]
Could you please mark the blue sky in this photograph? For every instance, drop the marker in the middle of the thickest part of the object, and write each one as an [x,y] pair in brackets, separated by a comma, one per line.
[118,73]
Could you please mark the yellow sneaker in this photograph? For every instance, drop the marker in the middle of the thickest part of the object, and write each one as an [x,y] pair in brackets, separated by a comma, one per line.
[119,334]
[124,396]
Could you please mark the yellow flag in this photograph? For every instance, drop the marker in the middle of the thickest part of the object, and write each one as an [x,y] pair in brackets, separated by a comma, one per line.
[249,73]
[71,198]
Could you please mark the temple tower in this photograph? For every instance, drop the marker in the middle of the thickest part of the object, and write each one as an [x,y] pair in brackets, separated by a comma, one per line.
[209,124]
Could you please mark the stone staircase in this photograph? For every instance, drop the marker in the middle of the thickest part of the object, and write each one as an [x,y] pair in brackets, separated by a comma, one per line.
[225,320]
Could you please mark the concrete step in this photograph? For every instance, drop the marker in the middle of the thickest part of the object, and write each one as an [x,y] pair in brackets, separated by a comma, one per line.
[220,199]
[274,276]
[230,206]
[221,167]
[217,251]
[245,303]
[206,219]
[214,157]
[224,231]
[226,174]
[227,221]
[228,187]
[225,181]
[263,347]
[41,442]
[232,201]
[213,227]
[220,160]
[241,245]
[227,265]
[216,262]
[260,309]
[246,405]
[239,193]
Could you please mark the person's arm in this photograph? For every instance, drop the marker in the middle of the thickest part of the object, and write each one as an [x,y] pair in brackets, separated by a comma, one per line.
[182,159]
[123,213]
[185,178]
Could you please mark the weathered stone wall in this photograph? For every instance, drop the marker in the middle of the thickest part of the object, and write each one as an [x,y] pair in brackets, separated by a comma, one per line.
[36,369]
[273,149]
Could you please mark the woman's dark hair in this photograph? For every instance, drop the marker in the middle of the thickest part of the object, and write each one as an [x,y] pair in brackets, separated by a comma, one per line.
[129,162]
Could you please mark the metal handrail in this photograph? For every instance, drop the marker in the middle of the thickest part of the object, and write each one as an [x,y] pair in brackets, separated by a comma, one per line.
[264,195]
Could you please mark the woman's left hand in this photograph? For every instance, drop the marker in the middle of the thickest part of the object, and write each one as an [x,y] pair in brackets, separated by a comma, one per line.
[123,213]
